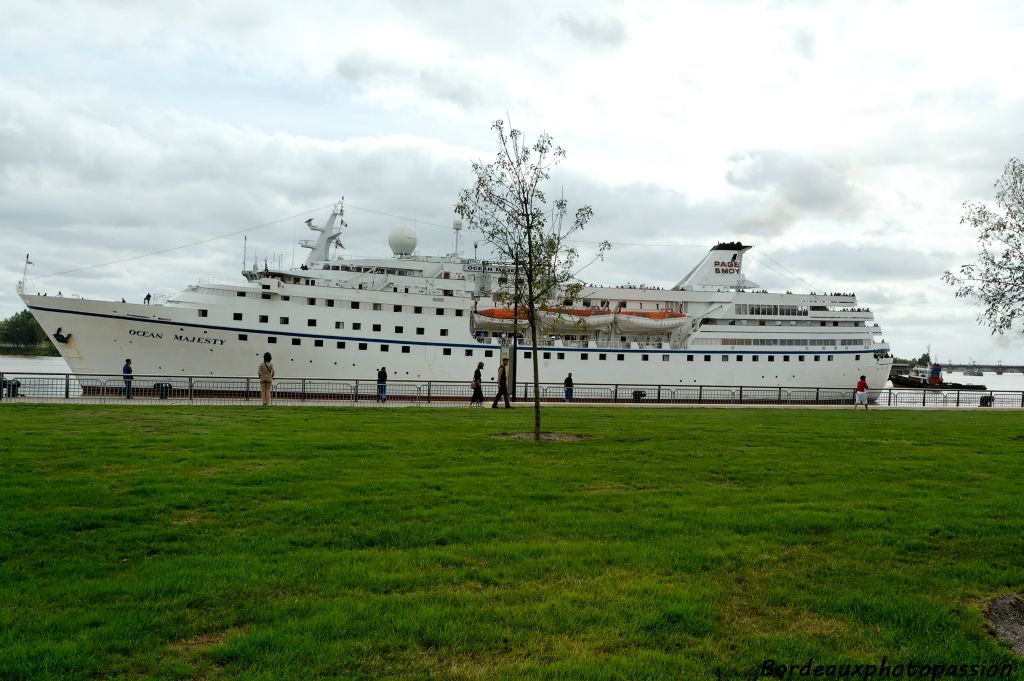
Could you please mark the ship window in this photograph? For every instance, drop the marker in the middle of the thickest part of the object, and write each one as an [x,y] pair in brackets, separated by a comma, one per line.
[318,344]
[835,323]
[243,336]
[644,358]
[240,294]
[817,358]
[418,310]
[725,358]
[761,323]
[547,355]
[310,322]
[439,312]
[584,356]
[602,357]
[356,326]
[265,286]
[398,308]
[263,319]
[458,313]
[330,302]
[664,358]
[310,301]
[340,345]
[448,292]
[204,313]
[800,358]
[771,358]
[707,358]
[755,358]
[296,341]
[355,305]
[377,307]
[237,316]
[286,297]
[339,325]
[272,339]
[689,358]
[444,332]
[376,327]
[469,353]
[856,357]
[419,330]
[385,348]
[561,355]
[446,351]
[406,289]
[527,355]
[405,349]
[620,357]
[830,358]
[399,329]
[785,358]
[823,323]
[739,358]
[362,346]
[284,320]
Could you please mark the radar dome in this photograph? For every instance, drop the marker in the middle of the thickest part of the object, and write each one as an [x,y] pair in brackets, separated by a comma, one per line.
[402,240]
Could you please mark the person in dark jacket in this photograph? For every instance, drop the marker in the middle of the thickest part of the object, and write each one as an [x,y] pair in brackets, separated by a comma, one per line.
[382,385]
[502,385]
[126,374]
[568,387]
[477,400]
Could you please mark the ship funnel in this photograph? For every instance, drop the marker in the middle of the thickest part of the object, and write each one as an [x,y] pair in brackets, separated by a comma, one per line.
[721,268]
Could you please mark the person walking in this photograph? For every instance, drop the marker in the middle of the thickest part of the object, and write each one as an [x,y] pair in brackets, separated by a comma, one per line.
[126,374]
[502,385]
[382,385]
[861,396]
[568,388]
[266,374]
[477,400]
[147,299]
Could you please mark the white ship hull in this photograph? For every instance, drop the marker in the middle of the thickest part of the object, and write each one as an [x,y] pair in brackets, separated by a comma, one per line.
[163,340]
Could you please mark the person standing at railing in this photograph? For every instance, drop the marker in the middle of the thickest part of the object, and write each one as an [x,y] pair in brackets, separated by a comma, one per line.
[266,374]
[126,374]
[382,385]
[567,384]
[861,396]
[477,400]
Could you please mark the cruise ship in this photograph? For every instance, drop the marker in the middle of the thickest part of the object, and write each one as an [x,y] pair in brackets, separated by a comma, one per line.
[435,317]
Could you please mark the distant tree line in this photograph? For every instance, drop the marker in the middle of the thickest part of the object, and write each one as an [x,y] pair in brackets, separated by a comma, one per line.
[22,333]
[924,360]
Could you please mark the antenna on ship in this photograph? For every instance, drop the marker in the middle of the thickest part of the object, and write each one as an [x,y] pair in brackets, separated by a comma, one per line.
[457,228]
[245,250]
[24,275]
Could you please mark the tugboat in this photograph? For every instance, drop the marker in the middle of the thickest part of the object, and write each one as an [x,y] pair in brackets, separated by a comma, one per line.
[929,378]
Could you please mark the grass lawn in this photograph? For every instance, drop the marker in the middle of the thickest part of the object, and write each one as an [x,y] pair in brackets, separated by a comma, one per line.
[291,543]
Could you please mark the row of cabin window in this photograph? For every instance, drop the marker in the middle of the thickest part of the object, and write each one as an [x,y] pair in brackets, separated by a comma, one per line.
[355,305]
[341,345]
[689,358]
[317,343]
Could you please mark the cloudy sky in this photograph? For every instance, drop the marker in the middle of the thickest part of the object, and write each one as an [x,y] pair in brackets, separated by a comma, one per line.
[839,138]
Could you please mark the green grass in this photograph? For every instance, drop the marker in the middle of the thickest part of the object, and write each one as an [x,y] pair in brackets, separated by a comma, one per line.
[380,543]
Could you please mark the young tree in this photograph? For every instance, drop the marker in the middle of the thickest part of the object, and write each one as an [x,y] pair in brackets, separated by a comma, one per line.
[997,278]
[507,204]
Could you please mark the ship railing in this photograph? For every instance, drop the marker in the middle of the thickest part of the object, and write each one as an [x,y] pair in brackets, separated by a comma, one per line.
[21,387]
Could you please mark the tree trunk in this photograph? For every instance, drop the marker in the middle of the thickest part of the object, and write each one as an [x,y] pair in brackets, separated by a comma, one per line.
[530,273]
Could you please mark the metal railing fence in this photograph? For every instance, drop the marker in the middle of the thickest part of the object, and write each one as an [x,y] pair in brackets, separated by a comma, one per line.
[239,390]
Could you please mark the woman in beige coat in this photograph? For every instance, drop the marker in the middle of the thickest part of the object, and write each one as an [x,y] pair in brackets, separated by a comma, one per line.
[266,373]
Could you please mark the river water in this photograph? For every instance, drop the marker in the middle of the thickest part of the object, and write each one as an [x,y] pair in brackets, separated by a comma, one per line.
[18,364]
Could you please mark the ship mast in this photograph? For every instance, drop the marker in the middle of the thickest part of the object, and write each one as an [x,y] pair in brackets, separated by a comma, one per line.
[24,275]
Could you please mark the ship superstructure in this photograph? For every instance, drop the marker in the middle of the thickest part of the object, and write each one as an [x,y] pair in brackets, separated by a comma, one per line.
[435,317]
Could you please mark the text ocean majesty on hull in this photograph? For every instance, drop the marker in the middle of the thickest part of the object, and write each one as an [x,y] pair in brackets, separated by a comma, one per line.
[431,317]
